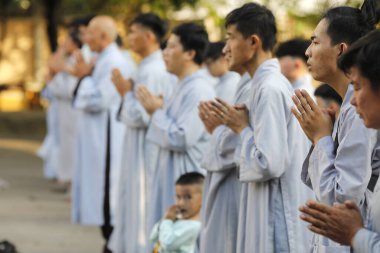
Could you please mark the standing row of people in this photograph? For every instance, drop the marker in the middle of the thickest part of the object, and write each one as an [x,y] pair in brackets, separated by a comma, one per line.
[264,148]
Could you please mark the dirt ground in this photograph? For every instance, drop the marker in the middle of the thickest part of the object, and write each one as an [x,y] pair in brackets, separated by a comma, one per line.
[32,216]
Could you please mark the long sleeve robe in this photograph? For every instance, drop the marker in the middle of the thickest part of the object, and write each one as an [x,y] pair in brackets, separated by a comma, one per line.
[272,152]
[181,138]
[99,101]
[131,232]
[48,151]
[222,187]
[368,240]
[339,167]
[62,87]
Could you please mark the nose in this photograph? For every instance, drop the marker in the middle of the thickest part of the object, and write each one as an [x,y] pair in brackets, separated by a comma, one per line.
[225,48]
[308,51]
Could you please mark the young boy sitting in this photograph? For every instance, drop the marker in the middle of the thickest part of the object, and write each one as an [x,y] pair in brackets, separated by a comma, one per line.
[179,228]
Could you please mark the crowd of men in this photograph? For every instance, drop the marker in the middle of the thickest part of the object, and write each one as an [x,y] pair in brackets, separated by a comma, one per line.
[134,139]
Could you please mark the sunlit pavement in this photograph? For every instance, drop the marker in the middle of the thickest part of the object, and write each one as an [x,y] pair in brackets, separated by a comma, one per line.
[32,216]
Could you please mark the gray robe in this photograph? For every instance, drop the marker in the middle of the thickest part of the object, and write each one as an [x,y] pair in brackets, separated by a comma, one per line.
[181,138]
[130,233]
[339,167]
[227,85]
[368,240]
[222,187]
[98,101]
[272,152]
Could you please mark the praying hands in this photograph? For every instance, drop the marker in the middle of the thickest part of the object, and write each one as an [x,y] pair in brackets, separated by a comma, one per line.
[339,222]
[81,68]
[315,122]
[208,117]
[150,102]
[122,85]
[234,117]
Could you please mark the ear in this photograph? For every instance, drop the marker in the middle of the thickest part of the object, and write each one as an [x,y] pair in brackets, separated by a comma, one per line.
[342,47]
[190,54]
[255,41]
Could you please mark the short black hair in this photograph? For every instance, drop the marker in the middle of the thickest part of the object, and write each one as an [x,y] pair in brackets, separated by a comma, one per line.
[154,23]
[75,37]
[215,50]
[253,18]
[193,37]
[364,54]
[190,178]
[326,92]
[294,47]
[347,24]
[83,21]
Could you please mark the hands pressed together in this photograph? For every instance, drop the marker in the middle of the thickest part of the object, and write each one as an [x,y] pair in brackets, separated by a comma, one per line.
[339,222]
[315,122]
[150,102]
[219,112]
[81,68]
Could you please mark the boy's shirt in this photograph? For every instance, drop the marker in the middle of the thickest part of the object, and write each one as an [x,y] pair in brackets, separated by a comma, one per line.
[175,236]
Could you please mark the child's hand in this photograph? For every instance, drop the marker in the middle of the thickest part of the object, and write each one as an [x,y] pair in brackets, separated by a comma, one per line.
[171,213]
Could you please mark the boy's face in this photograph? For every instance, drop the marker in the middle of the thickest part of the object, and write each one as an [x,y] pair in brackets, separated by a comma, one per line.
[174,55]
[188,200]
[365,99]
[237,49]
[322,55]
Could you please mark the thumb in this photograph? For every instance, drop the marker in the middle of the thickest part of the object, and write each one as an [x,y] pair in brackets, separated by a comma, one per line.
[240,106]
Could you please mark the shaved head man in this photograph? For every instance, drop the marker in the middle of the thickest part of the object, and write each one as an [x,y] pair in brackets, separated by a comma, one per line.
[100,132]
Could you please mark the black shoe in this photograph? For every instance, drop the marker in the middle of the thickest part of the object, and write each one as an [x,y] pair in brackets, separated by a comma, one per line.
[7,247]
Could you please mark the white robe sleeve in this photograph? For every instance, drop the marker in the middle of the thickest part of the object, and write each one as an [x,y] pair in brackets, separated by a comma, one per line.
[95,95]
[132,112]
[220,152]
[366,241]
[172,237]
[62,86]
[264,144]
[181,133]
[344,175]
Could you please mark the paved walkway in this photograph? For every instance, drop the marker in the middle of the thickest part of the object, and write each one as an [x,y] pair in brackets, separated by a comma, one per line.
[32,216]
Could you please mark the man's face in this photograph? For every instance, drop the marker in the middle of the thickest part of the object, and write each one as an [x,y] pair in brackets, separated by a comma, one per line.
[137,38]
[365,99]
[94,38]
[174,55]
[188,200]
[216,67]
[322,56]
[237,49]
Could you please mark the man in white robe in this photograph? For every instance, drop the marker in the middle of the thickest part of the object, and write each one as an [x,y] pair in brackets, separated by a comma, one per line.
[145,35]
[344,153]
[272,149]
[175,125]
[100,134]
[217,66]
[222,187]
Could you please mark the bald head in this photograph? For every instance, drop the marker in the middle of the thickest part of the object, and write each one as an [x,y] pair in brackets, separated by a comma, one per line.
[105,25]
[102,31]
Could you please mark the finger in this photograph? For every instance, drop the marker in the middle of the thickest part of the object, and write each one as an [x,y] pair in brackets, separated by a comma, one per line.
[240,107]
[303,102]
[351,205]
[297,102]
[313,221]
[315,214]
[313,105]
[297,114]
[225,105]
[323,208]
[217,106]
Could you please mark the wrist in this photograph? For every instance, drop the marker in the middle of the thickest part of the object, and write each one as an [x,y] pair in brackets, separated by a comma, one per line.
[353,234]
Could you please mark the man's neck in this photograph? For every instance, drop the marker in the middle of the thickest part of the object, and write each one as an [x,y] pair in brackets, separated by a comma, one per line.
[339,83]
[256,61]
[149,50]
[187,70]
